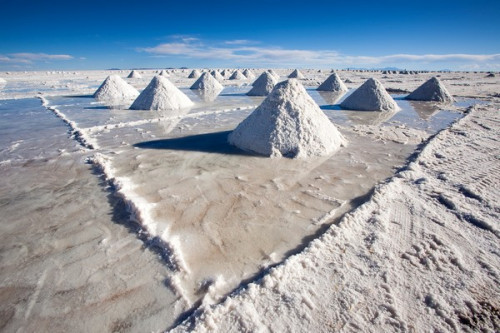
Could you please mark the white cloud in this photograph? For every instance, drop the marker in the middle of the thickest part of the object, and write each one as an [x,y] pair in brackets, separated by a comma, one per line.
[239,52]
[28,58]
[240,42]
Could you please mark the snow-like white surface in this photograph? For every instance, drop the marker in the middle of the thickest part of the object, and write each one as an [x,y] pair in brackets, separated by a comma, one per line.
[333,83]
[431,90]
[371,96]
[263,85]
[161,94]
[287,123]
[115,89]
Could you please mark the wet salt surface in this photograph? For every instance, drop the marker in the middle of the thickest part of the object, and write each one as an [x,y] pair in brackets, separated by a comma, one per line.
[228,214]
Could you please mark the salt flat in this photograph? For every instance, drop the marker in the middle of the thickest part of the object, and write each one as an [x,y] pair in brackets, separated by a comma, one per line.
[189,217]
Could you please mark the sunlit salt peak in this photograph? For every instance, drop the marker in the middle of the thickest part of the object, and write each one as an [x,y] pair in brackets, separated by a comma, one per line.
[370,96]
[134,75]
[161,94]
[194,74]
[164,73]
[296,74]
[207,82]
[273,73]
[114,88]
[431,90]
[237,75]
[263,85]
[217,75]
[249,74]
[333,83]
[287,123]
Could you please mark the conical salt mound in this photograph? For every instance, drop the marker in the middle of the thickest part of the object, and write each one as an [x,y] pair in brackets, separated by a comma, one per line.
[224,73]
[164,73]
[431,90]
[207,82]
[114,88]
[194,74]
[237,75]
[287,123]
[217,75]
[263,85]
[333,83]
[273,73]
[296,74]
[161,94]
[371,96]
[134,75]
[249,74]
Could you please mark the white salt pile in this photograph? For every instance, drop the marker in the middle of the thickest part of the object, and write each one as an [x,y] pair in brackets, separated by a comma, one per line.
[161,94]
[249,74]
[134,75]
[2,82]
[217,75]
[194,74]
[273,73]
[296,74]
[431,90]
[237,75]
[164,73]
[287,123]
[371,96]
[114,88]
[263,85]
[333,83]
[207,82]
[224,73]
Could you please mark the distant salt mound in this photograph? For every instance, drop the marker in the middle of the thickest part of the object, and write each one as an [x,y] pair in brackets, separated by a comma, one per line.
[333,83]
[217,75]
[249,74]
[431,90]
[224,73]
[371,96]
[194,74]
[3,82]
[114,88]
[207,82]
[164,73]
[263,85]
[287,123]
[273,73]
[161,94]
[134,75]
[296,74]
[237,75]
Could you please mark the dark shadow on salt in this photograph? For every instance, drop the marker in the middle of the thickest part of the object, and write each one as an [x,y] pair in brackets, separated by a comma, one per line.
[102,107]
[79,96]
[215,143]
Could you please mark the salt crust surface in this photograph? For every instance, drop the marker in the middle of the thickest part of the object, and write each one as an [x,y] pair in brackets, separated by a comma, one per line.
[287,123]
[161,94]
[114,88]
[371,96]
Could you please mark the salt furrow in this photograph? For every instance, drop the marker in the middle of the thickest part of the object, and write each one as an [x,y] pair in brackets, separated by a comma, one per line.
[79,134]
[158,120]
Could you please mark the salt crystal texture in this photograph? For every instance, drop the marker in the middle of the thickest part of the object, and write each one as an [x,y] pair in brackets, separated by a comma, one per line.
[370,96]
[287,123]
[134,75]
[194,74]
[333,83]
[431,90]
[114,88]
[207,82]
[296,74]
[263,85]
[161,94]
[237,75]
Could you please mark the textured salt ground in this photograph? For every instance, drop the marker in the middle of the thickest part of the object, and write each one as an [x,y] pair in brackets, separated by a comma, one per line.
[68,261]
[420,255]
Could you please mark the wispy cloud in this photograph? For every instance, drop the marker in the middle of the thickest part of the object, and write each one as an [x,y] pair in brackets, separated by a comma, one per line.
[240,42]
[28,58]
[240,52]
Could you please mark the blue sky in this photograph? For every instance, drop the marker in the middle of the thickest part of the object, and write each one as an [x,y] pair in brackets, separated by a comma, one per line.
[458,35]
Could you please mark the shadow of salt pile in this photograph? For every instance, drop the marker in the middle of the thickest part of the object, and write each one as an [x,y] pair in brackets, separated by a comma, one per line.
[215,143]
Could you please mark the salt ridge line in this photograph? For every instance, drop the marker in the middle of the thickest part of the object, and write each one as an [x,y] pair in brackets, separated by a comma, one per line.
[78,134]
[158,120]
